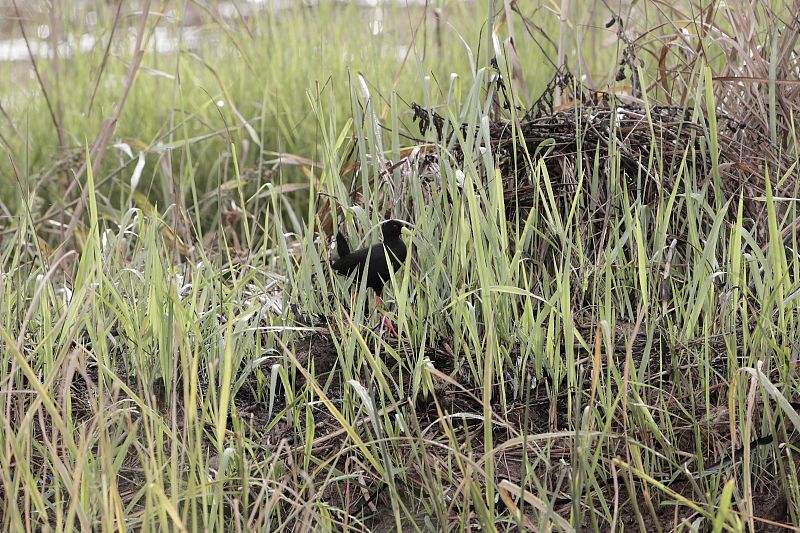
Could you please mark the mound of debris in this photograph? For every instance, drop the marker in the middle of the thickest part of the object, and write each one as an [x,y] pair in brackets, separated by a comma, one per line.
[656,148]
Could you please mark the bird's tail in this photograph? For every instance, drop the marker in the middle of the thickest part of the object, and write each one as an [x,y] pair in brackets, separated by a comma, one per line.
[342,247]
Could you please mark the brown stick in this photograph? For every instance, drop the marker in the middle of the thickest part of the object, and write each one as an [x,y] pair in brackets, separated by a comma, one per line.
[109,126]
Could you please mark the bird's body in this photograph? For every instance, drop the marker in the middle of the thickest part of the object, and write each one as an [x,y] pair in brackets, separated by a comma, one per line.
[375,259]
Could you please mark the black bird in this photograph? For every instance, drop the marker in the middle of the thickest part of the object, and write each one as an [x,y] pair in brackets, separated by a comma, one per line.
[392,251]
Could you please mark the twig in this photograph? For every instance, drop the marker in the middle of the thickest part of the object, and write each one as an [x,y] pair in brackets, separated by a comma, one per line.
[106,55]
[39,77]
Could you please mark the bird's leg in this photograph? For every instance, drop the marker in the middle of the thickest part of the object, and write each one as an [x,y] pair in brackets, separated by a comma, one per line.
[386,323]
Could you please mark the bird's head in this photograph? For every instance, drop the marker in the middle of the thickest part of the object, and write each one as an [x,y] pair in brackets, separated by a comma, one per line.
[392,229]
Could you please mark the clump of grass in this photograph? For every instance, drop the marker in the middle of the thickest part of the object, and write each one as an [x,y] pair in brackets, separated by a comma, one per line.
[603,357]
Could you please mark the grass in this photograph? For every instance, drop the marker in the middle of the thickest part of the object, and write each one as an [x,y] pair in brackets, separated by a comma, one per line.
[180,356]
